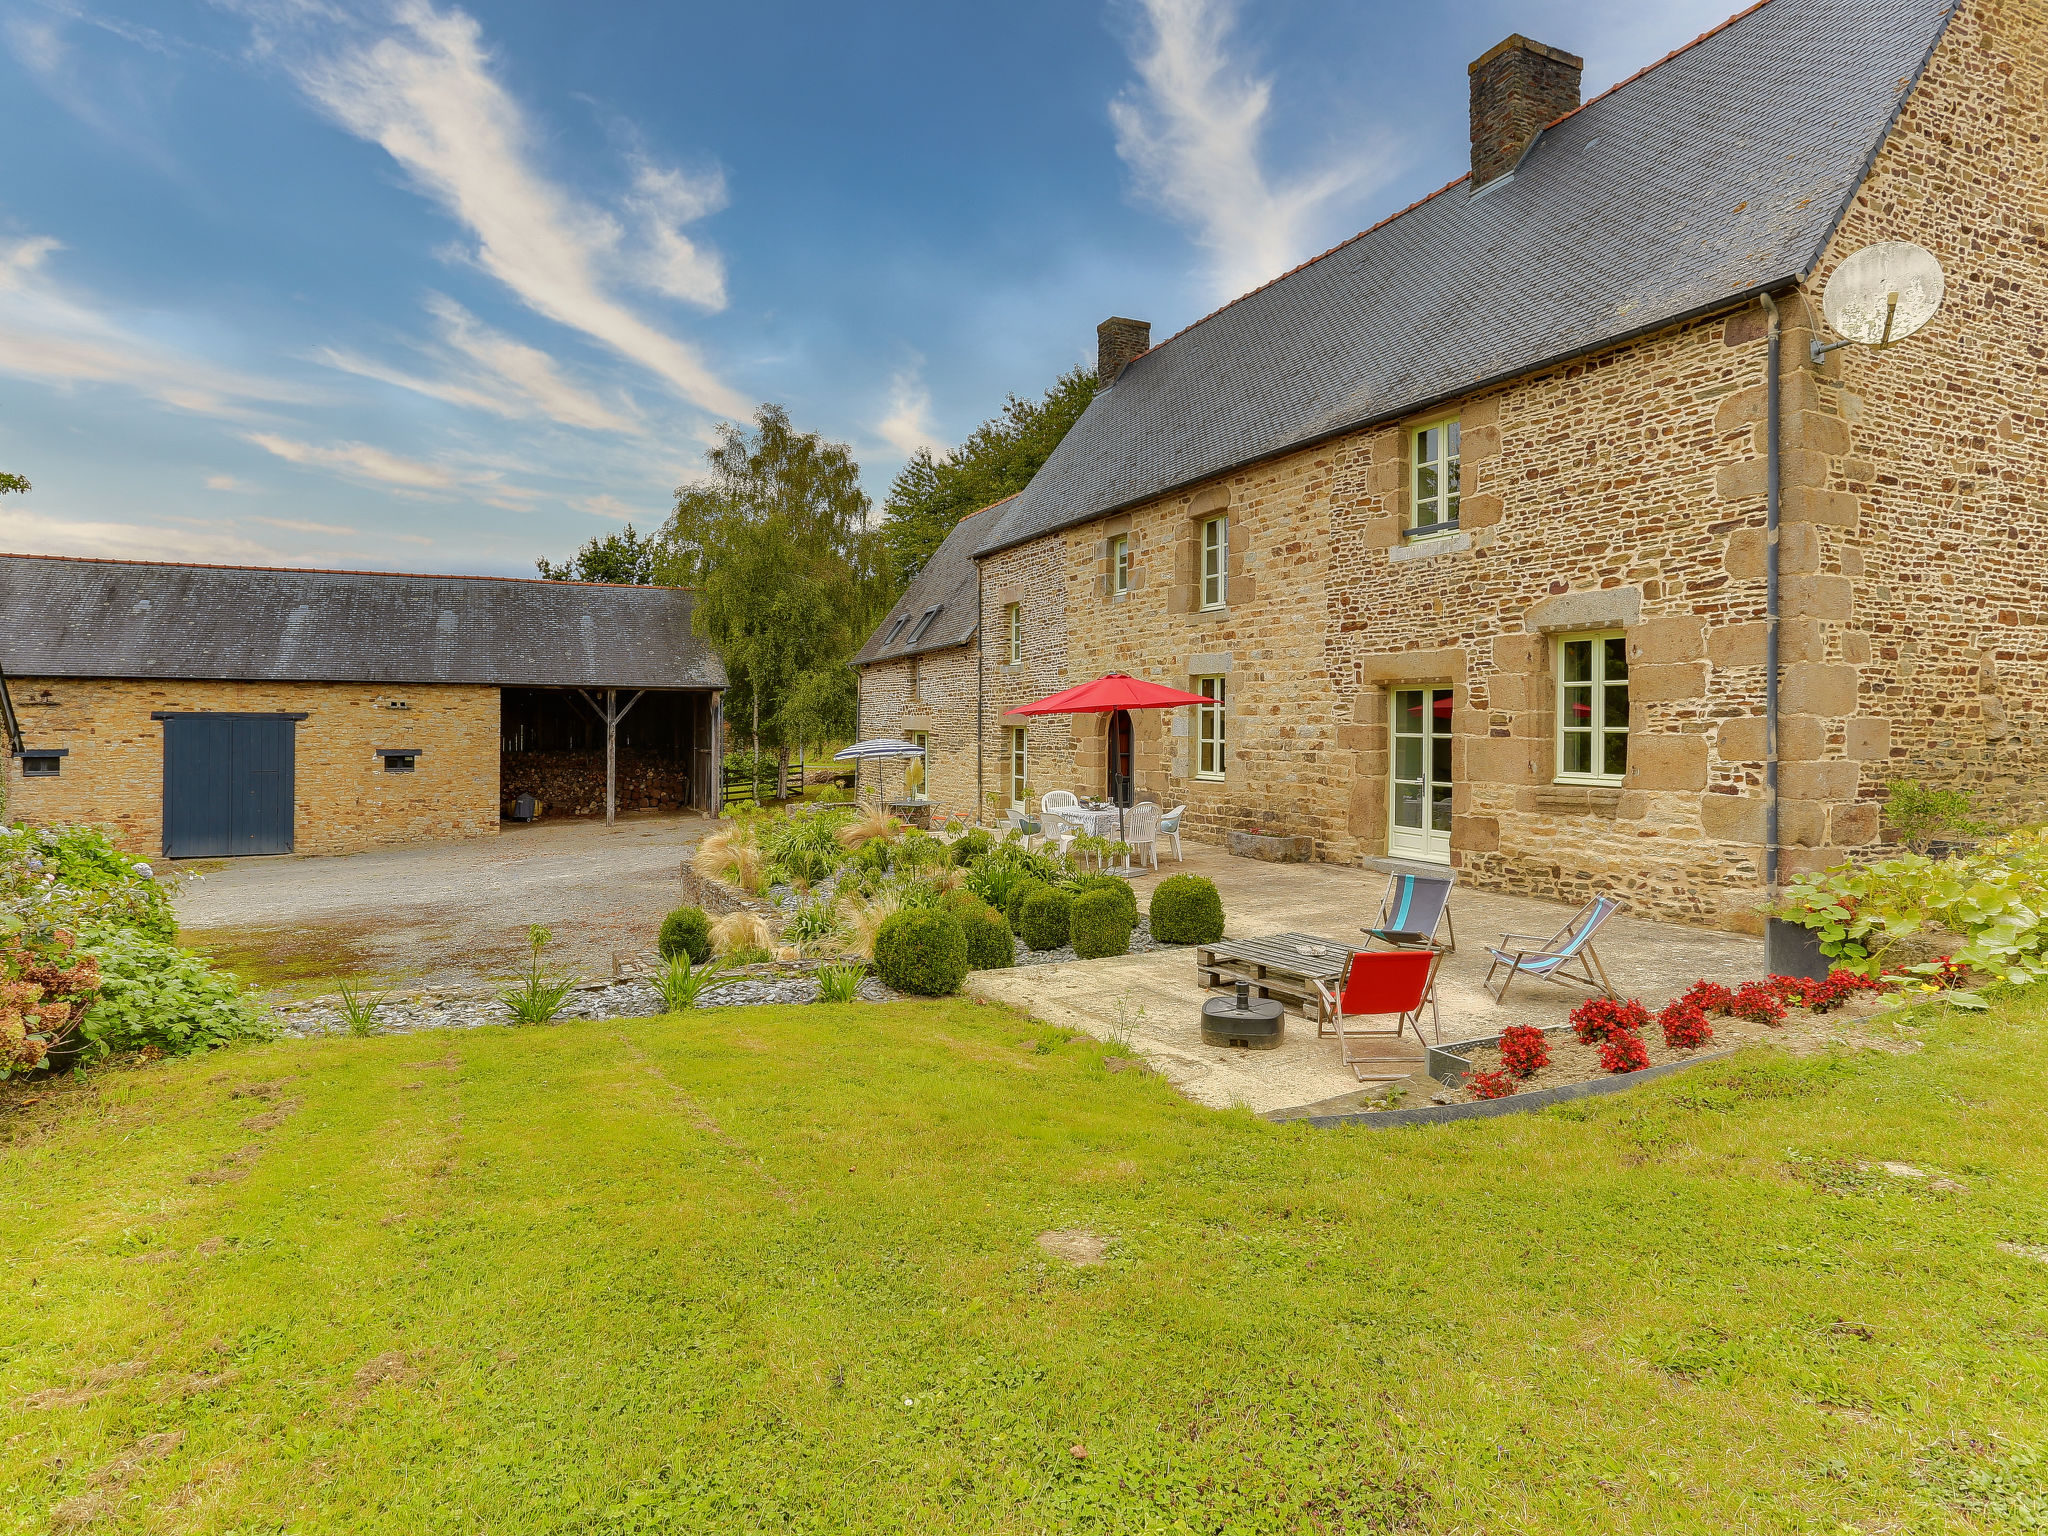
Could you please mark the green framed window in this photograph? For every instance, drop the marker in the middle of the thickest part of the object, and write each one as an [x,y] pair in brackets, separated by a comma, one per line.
[1592,707]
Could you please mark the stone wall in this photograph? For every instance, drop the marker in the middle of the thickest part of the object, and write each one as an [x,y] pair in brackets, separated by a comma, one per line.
[933,692]
[345,801]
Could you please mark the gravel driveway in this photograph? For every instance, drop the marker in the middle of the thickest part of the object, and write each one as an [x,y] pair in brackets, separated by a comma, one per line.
[442,914]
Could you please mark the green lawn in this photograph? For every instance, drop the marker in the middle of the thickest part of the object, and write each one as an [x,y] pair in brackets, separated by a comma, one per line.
[776,1269]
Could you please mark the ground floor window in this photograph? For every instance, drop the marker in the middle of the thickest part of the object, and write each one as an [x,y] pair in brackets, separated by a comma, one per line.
[1592,707]
[1018,775]
[1210,728]
[915,774]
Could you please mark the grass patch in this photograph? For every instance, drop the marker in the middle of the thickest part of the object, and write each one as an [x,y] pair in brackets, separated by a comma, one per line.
[780,1269]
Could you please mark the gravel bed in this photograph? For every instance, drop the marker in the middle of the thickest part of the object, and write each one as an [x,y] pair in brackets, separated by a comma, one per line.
[633,998]
[1142,943]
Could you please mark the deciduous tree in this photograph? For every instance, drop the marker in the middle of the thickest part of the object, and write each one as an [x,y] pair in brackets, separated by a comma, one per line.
[625,558]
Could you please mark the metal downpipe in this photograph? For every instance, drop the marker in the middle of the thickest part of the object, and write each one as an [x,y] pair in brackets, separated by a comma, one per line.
[1772,367]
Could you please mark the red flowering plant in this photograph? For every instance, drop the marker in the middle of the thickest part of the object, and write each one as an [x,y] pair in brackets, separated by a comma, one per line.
[1685,1025]
[1760,1002]
[1523,1050]
[1602,1018]
[45,988]
[1709,997]
[1490,1085]
[1621,1052]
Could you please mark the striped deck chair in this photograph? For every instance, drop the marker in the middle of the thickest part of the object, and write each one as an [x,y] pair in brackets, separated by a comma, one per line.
[1414,908]
[1524,954]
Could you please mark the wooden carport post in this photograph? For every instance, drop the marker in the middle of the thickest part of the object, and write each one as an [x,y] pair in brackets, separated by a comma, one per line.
[611,715]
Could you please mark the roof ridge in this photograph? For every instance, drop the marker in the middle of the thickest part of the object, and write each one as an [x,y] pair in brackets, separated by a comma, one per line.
[1440,191]
[330,570]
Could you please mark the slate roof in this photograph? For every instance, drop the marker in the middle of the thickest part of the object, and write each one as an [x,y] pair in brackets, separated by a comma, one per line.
[949,582]
[117,618]
[1716,174]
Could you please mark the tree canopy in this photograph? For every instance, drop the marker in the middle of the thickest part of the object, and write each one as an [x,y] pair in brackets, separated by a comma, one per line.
[12,483]
[625,558]
[789,578]
[998,459]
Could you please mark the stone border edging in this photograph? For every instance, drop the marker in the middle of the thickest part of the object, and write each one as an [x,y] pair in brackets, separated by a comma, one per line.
[1457,1051]
[1514,1103]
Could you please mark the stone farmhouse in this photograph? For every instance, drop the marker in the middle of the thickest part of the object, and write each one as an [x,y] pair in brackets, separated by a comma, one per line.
[209,711]
[1466,525]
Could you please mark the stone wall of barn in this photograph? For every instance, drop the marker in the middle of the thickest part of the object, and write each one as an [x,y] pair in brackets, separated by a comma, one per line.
[934,693]
[345,801]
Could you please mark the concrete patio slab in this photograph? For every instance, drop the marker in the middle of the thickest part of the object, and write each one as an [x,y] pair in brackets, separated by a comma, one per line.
[1154,1002]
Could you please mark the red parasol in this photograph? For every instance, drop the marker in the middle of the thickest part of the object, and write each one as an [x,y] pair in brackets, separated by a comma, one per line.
[1109,693]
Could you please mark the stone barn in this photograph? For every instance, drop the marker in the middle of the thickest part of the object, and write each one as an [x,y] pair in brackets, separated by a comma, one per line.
[211,711]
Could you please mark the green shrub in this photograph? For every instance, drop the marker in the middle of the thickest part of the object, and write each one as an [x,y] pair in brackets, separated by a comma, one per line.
[74,877]
[685,931]
[969,846]
[1020,892]
[996,873]
[922,950]
[1046,913]
[1186,910]
[156,994]
[1919,815]
[990,944]
[1121,889]
[872,855]
[920,851]
[1101,924]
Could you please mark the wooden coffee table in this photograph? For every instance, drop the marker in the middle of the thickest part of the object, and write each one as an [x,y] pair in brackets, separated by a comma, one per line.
[1276,967]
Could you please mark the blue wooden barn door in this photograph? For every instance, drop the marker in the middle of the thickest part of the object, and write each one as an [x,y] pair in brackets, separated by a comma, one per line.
[228,785]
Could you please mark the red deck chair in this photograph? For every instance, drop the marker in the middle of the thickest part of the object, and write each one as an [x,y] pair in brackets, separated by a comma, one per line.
[1400,982]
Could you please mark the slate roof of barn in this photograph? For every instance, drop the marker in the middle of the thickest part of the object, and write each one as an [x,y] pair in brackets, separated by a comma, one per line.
[949,581]
[126,619]
[1718,173]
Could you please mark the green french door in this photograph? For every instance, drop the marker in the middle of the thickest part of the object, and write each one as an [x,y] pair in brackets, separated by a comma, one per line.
[1421,798]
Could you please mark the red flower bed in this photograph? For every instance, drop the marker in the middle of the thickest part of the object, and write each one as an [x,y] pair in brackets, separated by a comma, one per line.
[1685,1025]
[1759,1002]
[1624,1053]
[1490,1085]
[1602,1018]
[1523,1050]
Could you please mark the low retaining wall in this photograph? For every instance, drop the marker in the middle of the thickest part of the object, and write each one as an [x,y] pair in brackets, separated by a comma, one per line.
[1514,1103]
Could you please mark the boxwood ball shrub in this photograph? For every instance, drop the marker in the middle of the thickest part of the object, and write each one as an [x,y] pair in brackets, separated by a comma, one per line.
[1046,917]
[1020,892]
[1100,923]
[922,950]
[685,931]
[1120,889]
[1186,910]
[990,945]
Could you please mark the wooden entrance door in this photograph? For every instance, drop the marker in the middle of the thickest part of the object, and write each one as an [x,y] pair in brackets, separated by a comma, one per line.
[1421,788]
[1120,757]
[228,785]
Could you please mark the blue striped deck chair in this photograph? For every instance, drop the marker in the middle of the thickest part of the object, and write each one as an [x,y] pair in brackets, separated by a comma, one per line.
[1524,954]
[1414,908]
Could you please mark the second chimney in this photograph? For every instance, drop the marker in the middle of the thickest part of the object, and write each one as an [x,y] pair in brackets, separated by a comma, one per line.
[1519,87]
[1117,341]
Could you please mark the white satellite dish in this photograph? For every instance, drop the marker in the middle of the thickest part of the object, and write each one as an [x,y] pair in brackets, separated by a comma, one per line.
[1881,294]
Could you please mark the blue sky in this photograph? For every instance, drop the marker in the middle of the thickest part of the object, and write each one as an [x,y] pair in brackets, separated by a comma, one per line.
[429,286]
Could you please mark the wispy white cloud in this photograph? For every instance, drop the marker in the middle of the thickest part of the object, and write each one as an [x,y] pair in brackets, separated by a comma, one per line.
[37,533]
[298,525]
[56,336]
[38,42]
[367,464]
[226,482]
[908,426]
[425,92]
[663,201]
[609,506]
[1190,128]
[484,369]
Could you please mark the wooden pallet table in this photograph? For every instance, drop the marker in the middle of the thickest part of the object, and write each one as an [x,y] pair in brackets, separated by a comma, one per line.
[1276,967]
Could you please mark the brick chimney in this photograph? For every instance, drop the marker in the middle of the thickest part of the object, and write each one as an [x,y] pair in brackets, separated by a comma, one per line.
[1519,87]
[1117,341]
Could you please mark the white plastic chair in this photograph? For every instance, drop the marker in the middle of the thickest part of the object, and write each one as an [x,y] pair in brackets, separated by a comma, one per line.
[1141,832]
[1169,826]
[1059,800]
[1056,826]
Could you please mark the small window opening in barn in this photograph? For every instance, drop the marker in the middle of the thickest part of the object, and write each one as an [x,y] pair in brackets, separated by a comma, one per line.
[895,630]
[924,623]
[42,764]
[399,759]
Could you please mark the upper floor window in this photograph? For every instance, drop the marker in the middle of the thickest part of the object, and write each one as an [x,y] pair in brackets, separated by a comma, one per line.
[1013,631]
[1433,499]
[1120,563]
[1592,707]
[1215,562]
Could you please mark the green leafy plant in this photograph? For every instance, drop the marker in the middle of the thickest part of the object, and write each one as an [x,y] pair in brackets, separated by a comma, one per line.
[685,931]
[1186,909]
[1920,815]
[813,927]
[156,995]
[923,951]
[74,878]
[990,943]
[1116,886]
[1100,924]
[681,980]
[1046,918]
[969,846]
[840,983]
[539,996]
[358,1009]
